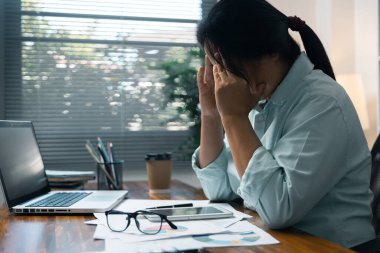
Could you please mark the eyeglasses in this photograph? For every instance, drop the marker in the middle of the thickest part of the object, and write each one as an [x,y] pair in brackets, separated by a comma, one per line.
[119,221]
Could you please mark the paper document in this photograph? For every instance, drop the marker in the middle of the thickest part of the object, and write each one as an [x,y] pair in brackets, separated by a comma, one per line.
[72,176]
[252,236]
[132,234]
[184,228]
[194,234]
[132,205]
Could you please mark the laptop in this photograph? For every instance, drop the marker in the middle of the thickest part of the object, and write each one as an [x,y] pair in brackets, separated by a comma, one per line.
[25,184]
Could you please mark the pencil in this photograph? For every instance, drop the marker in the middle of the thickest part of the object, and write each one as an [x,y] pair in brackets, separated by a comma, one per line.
[96,158]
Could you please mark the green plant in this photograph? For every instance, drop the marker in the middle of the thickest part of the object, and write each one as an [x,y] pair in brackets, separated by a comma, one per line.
[181,92]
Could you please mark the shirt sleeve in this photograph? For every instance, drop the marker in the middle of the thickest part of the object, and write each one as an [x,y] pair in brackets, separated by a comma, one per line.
[283,184]
[214,177]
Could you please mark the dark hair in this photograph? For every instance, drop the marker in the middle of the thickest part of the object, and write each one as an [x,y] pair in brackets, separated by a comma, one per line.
[251,29]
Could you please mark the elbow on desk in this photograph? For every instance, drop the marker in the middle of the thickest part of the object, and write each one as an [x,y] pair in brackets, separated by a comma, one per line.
[277,224]
[278,219]
[219,196]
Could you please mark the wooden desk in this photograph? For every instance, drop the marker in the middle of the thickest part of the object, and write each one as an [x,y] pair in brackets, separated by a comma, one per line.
[31,234]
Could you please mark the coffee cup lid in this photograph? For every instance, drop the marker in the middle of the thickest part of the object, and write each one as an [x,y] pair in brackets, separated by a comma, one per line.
[163,156]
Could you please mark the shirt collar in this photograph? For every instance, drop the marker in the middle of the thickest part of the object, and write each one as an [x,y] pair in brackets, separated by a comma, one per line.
[260,105]
[286,89]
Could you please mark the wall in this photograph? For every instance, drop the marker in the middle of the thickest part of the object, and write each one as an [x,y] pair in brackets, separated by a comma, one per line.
[349,31]
[367,59]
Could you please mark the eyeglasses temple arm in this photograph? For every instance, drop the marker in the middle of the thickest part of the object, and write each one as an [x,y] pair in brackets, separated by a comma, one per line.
[171,224]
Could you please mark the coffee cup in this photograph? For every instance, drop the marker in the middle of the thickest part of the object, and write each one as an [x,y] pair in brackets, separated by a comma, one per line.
[159,170]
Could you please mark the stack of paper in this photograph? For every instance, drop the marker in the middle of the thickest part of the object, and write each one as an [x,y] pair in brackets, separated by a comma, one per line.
[194,234]
[66,178]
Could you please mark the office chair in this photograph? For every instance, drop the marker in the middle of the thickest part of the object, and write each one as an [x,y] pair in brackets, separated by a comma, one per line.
[374,185]
[374,245]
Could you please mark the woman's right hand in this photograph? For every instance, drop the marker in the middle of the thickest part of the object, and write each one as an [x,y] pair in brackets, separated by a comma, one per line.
[206,87]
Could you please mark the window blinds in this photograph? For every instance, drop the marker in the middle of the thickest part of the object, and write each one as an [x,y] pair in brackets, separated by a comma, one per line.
[81,69]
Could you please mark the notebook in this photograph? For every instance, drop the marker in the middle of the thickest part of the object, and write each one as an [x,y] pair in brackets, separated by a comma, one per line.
[25,184]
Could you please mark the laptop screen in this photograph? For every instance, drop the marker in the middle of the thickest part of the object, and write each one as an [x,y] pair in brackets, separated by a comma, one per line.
[21,168]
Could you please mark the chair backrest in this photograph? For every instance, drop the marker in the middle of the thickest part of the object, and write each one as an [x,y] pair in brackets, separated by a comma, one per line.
[374,185]
[373,246]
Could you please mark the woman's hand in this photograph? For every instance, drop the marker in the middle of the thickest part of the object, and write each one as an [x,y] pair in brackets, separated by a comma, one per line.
[206,87]
[234,96]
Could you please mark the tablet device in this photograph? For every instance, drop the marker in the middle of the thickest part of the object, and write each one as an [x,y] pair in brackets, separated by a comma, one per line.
[191,213]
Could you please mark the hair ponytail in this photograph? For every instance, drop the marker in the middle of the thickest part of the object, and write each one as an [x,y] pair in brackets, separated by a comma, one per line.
[250,29]
[313,45]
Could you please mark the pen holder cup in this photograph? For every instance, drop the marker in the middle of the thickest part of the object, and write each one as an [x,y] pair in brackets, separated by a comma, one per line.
[110,175]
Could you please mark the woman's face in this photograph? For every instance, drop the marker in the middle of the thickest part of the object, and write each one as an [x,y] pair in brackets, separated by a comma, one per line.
[261,72]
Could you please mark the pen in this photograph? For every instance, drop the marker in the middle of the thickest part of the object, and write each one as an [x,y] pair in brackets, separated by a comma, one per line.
[107,166]
[97,158]
[111,160]
[172,206]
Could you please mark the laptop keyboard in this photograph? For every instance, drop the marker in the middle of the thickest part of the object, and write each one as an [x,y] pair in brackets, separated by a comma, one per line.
[60,199]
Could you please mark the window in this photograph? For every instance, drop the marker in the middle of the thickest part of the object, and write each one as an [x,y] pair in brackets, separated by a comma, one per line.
[81,69]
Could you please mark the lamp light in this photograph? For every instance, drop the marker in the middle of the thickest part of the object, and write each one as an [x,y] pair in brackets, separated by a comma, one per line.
[353,85]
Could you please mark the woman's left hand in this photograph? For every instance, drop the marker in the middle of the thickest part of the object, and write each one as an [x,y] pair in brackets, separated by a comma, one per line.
[234,96]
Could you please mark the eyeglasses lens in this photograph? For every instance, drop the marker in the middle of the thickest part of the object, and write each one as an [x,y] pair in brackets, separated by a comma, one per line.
[117,222]
[149,223]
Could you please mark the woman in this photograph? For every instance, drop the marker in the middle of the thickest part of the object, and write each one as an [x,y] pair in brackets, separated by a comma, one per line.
[294,149]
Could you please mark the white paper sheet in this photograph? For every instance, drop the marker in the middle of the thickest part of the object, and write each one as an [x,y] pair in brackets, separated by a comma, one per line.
[255,236]
[132,205]
[185,228]
[93,222]
[187,231]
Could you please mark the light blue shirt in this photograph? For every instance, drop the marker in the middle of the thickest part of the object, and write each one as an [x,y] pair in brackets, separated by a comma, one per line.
[313,170]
